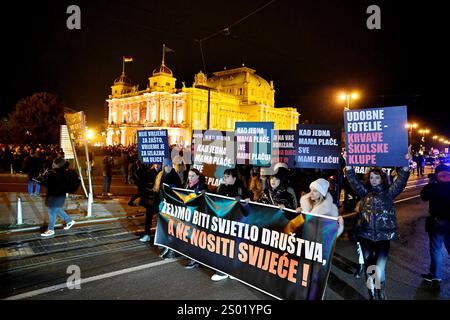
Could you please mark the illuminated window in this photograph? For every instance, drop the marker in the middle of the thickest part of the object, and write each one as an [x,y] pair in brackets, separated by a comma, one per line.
[240,91]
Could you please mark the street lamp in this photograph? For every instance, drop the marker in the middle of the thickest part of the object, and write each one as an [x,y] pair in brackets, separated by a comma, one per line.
[410,127]
[424,132]
[348,96]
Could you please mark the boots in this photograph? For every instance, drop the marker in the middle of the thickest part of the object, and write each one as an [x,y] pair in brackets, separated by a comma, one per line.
[371,294]
[372,289]
[380,292]
[359,271]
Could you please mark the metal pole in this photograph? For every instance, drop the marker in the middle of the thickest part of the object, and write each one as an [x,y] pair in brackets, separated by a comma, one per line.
[12,171]
[19,210]
[209,102]
[90,196]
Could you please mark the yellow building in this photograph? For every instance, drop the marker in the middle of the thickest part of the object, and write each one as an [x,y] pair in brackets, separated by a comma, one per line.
[234,95]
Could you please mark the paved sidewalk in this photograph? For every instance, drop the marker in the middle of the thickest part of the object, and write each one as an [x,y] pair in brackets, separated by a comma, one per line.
[34,212]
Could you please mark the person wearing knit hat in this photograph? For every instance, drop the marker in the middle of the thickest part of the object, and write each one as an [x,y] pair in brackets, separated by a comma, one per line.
[170,177]
[320,185]
[167,163]
[320,201]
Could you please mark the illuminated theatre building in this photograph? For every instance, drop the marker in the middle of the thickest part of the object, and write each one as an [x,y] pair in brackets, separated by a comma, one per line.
[234,95]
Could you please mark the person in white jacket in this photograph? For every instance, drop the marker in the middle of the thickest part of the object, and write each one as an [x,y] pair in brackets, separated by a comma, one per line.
[320,201]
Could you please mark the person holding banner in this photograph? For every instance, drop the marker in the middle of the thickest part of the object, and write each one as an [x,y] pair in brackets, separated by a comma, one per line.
[168,176]
[195,182]
[276,194]
[377,222]
[231,187]
[320,201]
[147,180]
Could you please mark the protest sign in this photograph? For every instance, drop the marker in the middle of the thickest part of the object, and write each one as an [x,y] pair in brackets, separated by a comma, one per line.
[283,147]
[213,153]
[153,146]
[318,146]
[285,255]
[376,137]
[253,143]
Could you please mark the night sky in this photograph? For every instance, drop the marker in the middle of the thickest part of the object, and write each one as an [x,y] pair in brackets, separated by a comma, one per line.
[310,49]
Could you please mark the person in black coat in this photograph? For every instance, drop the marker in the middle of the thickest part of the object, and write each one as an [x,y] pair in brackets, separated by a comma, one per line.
[231,187]
[32,165]
[377,222]
[147,179]
[195,182]
[277,195]
[55,181]
[170,177]
[139,179]
[437,192]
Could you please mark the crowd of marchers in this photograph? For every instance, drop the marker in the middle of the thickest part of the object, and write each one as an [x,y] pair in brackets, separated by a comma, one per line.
[325,192]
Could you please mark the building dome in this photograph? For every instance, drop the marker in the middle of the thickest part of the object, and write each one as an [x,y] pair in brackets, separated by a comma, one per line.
[238,76]
[162,69]
[123,79]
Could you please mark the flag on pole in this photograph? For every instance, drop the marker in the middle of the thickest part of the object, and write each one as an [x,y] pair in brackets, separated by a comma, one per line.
[127,59]
[167,49]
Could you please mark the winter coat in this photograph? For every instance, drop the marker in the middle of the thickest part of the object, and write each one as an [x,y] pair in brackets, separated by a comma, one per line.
[278,196]
[199,186]
[377,220]
[172,179]
[235,190]
[56,188]
[438,193]
[145,188]
[108,164]
[327,208]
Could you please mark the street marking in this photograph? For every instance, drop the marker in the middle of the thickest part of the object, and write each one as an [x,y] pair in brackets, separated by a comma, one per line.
[91,279]
[401,200]
[406,199]
[416,185]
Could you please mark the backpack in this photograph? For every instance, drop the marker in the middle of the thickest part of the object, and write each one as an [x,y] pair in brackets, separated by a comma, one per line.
[73,181]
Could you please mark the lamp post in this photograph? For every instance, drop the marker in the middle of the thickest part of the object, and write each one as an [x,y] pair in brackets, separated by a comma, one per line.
[423,132]
[410,127]
[347,96]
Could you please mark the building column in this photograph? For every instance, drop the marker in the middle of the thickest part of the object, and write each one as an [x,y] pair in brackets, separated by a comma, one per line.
[147,111]
[109,112]
[138,112]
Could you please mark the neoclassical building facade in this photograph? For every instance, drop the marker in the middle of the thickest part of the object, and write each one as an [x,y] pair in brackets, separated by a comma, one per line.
[232,95]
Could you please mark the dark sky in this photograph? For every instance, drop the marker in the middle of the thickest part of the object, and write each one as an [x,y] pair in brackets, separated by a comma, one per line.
[310,49]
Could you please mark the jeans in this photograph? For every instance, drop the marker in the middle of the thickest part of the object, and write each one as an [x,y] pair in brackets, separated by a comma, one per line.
[106,184]
[375,254]
[30,187]
[53,212]
[440,233]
